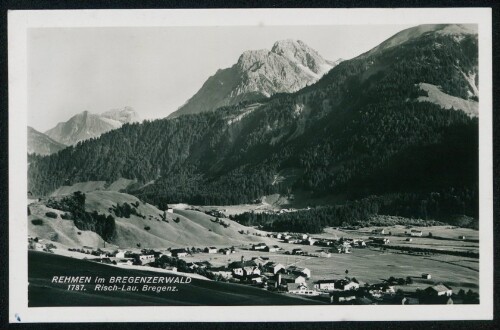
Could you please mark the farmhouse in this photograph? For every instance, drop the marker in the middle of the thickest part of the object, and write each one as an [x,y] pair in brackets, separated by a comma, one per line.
[259,246]
[274,267]
[426,276]
[297,251]
[211,249]
[119,254]
[255,278]
[416,233]
[325,285]
[383,241]
[439,290]
[248,271]
[179,252]
[299,271]
[146,258]
[309,241]
[273,248]
[290,278]
[346,285]
[301,289]
[378,231]
[225,251]
[238,272]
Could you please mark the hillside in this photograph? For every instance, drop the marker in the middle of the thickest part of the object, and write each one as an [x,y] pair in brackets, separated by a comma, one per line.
[365,128]
[41,144]
[289,66]
[43,293]
[193,228]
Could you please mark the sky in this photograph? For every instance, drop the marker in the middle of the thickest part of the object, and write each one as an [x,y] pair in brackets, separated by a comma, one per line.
[155,70]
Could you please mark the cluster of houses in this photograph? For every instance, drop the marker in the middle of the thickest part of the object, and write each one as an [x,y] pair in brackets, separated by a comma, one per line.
[342,245]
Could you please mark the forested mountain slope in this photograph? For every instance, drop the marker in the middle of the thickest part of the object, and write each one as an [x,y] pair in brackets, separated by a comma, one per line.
[362,129]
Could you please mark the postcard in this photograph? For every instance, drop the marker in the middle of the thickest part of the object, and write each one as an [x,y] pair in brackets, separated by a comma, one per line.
[250,165]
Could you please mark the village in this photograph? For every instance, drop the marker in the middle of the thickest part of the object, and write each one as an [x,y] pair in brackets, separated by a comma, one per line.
[283,268]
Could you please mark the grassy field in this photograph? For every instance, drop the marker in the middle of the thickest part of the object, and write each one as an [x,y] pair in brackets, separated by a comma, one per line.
[42,293]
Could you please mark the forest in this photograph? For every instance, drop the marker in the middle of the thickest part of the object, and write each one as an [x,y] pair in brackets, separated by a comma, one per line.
[359,131]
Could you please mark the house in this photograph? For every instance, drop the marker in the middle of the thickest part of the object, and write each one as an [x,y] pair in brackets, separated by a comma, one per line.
[167,253]
[224,273]
[120,254]
[260,246]
[361,243]
[146,259]
[426,276]
[378,231]
[461,237]
[278,235]
[273,248]
[346,285]
[416,233]
[179,252]
[379,290]
[211,249]
[290,278]
[299,271]
[439,290]
[248,271]
[170,210]
[309,241]
[274,267]
[297,251]
[383,241]
[303,236]
[124,261]
[192,265]
[225,251]
[286,237]
[325,285]
[255,279]
[409,239]
[238,272]
[301,289]
[342,249]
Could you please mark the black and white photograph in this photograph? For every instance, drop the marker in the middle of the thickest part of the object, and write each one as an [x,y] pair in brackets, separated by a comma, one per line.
[328,163]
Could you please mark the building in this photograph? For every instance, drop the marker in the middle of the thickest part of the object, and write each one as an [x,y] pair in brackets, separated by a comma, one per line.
[299,271]
[461,237]
[120,254]
[409,239]
[439,290]
[383,241]
[301,289]
[378,231]
[179,252]
[325,285]
[259,246]
[290,278]
[255,279]
[426,276]
[248,271]
[346,285]
[297,251]
[211,249]
[416,233]
[171,268]
[146,259]
[238,272]
[225,251]
[274,267]
[273,248]
[309,241]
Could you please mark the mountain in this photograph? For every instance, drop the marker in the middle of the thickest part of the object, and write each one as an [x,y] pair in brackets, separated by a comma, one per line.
[86,125]
[41,144]
[287,67]
[396,122]
[124,116]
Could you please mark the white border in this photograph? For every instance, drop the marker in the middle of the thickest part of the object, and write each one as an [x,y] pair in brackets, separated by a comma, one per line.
[20,21]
